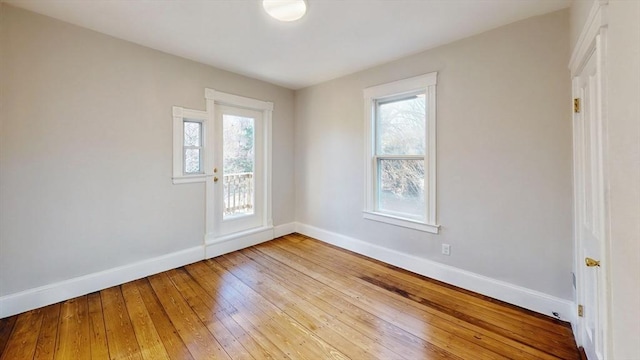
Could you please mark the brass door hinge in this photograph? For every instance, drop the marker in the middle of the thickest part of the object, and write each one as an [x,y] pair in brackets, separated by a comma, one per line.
[576,105]
[580,310]
[591,262]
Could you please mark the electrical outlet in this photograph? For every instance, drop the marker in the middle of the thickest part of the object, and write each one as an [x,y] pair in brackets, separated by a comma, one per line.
[446,249]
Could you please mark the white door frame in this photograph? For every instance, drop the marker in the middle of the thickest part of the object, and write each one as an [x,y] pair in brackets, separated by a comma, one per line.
[218,245]
[592,43]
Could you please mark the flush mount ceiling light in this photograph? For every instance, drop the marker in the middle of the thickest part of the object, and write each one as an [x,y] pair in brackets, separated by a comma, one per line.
[285,10]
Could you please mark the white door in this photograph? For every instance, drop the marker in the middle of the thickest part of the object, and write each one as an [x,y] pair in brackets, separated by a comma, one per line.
[239,170]
[590,206]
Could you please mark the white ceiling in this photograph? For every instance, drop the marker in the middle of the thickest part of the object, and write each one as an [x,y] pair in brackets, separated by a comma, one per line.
[335,38]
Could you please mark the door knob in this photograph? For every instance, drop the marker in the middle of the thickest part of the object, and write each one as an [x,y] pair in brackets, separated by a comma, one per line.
[215,179]
[591,262]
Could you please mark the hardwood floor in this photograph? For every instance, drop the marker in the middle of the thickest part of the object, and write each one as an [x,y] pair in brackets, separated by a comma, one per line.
[290,298]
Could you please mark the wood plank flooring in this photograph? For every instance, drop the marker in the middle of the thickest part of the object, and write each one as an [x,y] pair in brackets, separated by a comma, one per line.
[290,298]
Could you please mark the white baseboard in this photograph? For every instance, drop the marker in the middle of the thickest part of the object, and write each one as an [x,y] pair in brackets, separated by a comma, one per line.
[284,229]
[510,293]
[236,241]
[16,303]
[50,294]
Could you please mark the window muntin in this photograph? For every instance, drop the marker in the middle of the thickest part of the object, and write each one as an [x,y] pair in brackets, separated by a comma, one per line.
[400,153]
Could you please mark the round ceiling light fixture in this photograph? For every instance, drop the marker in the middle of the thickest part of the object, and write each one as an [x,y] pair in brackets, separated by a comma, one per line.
[285,10]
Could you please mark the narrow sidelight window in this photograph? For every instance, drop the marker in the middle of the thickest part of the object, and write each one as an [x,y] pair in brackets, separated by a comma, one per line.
[189,145]
[192,147]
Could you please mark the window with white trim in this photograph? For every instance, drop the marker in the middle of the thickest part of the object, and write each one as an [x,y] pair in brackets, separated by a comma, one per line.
[188,145]
[400,123]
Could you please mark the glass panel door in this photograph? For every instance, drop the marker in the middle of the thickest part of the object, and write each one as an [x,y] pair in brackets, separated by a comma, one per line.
[239,175]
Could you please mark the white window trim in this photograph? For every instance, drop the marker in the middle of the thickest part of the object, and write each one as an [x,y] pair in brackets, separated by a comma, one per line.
[180,115]
[426,83]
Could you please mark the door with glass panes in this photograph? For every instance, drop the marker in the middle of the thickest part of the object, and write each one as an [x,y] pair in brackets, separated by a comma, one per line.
[239,170]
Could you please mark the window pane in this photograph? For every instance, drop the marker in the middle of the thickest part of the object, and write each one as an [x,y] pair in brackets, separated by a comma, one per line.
[401,126]
[192,133]
[192,161]
[401,187]
[238,165]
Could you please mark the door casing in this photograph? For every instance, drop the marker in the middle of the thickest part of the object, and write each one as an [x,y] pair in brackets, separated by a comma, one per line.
[215,242]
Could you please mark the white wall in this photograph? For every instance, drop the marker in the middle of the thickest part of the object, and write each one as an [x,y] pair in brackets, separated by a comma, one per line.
[579,12]
[624,176]
[85,151]
[504,155]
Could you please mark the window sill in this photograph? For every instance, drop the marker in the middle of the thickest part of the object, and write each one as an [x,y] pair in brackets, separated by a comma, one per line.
[397,221]
[189,179]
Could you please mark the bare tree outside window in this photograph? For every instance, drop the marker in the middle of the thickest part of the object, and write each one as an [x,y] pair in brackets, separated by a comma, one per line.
[400,150]
[238,144]
[401,127]
[238,162]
